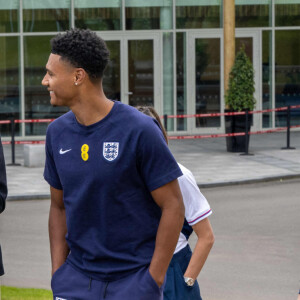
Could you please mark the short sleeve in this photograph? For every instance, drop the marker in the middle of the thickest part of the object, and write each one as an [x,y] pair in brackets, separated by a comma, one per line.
[197,207]
[50,172]
[156,163]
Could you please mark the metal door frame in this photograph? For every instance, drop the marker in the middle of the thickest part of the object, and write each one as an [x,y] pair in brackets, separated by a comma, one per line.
[124,37]
[255,34]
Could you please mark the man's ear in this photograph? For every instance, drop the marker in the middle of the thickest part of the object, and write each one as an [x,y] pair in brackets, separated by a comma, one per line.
[80,76]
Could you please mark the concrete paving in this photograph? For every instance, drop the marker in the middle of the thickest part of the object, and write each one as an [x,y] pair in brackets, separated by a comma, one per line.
[208,159]
[255,255]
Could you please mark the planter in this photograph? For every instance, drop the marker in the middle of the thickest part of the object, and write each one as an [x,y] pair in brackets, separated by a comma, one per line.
[235,124]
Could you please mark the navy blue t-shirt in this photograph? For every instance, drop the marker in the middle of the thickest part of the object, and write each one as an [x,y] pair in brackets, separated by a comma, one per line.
[107,171]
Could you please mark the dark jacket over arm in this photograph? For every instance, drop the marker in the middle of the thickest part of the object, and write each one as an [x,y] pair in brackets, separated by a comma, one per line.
[3,193]
[3,185]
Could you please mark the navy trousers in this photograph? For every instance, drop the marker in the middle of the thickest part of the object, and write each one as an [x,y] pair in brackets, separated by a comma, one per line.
[176,288]
[69,284]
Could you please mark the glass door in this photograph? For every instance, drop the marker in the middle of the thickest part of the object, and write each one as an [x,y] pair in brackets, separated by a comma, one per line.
[205,78]
[133,74]
[205,81]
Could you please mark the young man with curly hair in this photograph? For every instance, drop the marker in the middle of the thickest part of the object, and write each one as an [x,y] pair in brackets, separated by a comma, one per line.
[116,208]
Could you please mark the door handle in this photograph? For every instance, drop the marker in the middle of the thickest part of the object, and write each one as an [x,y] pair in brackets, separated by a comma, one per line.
[129,93]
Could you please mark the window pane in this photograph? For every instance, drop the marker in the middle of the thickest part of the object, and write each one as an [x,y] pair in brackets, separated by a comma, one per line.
[144,14]
[98,15]
[267,77]
[37,99]
[208,84]
[253,13]
[287,74]
[287,12]
[168,84]
[198,14]
[181,79]
[46,15]
[141,70]
[9,21]
[112,77]
[9,82]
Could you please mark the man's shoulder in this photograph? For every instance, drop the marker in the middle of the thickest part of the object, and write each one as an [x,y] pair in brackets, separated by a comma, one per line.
[131,116]
[60,123]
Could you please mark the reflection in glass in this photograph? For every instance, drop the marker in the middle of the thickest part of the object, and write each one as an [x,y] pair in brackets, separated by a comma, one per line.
[208,81]
[46,15]
[111,80]
[181,79]
[267,77]
[9,82]
[287,74]
[287,12]
[257,14]
[247,43]
[37,99]
[9,21]
[144,14]
[198,14]
[168,84]
[141,70]
[98,15]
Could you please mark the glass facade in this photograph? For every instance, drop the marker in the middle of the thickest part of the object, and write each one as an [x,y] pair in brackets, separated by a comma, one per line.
[151,57]
[267,76]
[9,82]
[253,13]
[144,14]
[287,12]
[287,74]
[98,15]
[198,14]
[208,81]
[112,75]
[46,15]
[37,99]
[181,96]
[9,20]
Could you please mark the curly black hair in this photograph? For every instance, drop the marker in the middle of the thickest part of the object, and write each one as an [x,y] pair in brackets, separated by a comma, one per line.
[82,48]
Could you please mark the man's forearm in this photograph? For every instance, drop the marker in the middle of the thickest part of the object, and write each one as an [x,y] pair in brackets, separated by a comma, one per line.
[57,232]
[199,257]
[167,237]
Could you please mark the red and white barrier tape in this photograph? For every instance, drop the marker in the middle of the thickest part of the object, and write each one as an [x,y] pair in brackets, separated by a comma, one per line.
[24,142]
[174,116]
[188,137]
[230,113]
[185,137]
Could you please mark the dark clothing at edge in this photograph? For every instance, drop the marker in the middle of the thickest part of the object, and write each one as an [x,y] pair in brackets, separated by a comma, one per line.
[3,193]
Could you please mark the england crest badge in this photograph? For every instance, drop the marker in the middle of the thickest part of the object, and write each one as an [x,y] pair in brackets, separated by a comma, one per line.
[110,150]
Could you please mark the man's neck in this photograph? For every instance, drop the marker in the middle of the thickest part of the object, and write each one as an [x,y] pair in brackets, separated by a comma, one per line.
[92,109]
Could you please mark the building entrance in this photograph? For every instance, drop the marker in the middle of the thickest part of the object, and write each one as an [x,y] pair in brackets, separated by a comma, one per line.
[205,73]
[133,75]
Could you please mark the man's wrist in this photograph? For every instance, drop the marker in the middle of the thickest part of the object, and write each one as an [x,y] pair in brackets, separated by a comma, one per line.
[189,281]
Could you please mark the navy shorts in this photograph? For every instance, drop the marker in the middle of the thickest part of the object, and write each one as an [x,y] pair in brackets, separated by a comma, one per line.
[69,284]
[176,288]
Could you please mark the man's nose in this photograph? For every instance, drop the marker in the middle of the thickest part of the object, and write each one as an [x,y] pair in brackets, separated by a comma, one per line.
[45,80]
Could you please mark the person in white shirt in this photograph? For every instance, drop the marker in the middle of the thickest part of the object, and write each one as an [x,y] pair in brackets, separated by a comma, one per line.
[186,265]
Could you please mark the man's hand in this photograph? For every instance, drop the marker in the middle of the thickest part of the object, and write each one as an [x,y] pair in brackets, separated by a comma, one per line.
[169,199]
[57,229]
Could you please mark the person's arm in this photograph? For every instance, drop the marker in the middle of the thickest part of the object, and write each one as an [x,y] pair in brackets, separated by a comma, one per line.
[57,229]
[204,244]
[169,199]
[298,296]
[3,184]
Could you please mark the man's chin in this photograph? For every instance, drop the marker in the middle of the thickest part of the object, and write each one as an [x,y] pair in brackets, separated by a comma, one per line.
[54,103]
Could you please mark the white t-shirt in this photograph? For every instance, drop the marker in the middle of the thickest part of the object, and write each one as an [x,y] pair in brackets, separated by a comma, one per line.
[196,205]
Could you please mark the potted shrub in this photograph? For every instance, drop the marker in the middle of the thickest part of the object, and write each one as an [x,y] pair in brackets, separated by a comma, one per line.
[239,97]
